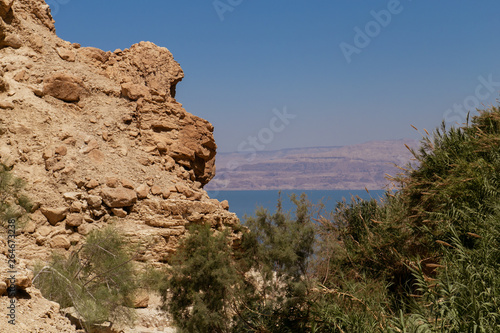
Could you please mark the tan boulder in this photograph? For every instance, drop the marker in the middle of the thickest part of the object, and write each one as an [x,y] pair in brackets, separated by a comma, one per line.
[94,201]
[127,184]
[86,228]
[60,242]
[44,231]
[65,87]
[13,41]
[142,191]
[54,215]
[66,54]
[74,220]
[112,182]
[23,281]
[119,212]
[134,91]
[91,184]
[61,150]
[165,194]
[118,197]
[156,190]
[93,53]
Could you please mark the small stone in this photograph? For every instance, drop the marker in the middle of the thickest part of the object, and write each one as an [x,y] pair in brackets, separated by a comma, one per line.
[94,201]
[62,150]
[196,196]
[134,91]
[54,215]
[225,204]
[60,242]
[156,190]
[142,191]
[66,54]
[4,86]
[58,166]
[30,227]
[21,76]
[119,212]
[75,238]
[80,183]
[187,192]
[165,194]
[118,197]
[76,207]
[85,229]
[23,281]
[47,153]
[5,6]
[92,184]
[92,144]
[112,182]
[72,196]
[74,220]
[44,231]
[127,184]
[13,41]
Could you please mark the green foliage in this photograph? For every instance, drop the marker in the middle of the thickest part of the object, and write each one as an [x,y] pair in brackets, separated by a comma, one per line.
[425,258]
[448,198]
[260,286]
[97,279]
[278,250]
[201,284]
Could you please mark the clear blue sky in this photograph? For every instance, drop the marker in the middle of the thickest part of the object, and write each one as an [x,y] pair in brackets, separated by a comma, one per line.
[265,55]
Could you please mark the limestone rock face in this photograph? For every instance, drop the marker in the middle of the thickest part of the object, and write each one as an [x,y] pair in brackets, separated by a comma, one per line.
[100,140]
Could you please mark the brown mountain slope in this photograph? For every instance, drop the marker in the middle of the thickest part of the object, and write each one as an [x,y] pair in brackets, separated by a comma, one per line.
[322,168]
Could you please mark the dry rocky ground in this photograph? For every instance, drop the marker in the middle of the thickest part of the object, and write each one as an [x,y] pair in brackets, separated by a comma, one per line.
[100,139]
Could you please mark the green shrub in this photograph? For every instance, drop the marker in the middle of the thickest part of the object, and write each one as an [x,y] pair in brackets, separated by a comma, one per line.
[260,286]
[200,290]
[97,279]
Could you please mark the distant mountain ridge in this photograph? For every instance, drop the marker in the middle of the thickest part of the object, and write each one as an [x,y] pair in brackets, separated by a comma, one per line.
[316,168]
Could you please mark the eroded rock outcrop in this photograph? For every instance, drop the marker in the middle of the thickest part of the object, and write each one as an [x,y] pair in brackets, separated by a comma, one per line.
[100,139]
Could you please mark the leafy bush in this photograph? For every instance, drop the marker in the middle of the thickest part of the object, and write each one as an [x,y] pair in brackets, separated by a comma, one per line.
[260,286]
[97,279]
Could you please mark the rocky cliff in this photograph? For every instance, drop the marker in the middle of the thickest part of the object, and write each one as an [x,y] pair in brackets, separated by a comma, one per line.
[100,139]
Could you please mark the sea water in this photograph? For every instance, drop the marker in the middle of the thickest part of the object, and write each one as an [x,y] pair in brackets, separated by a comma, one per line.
[246,202]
